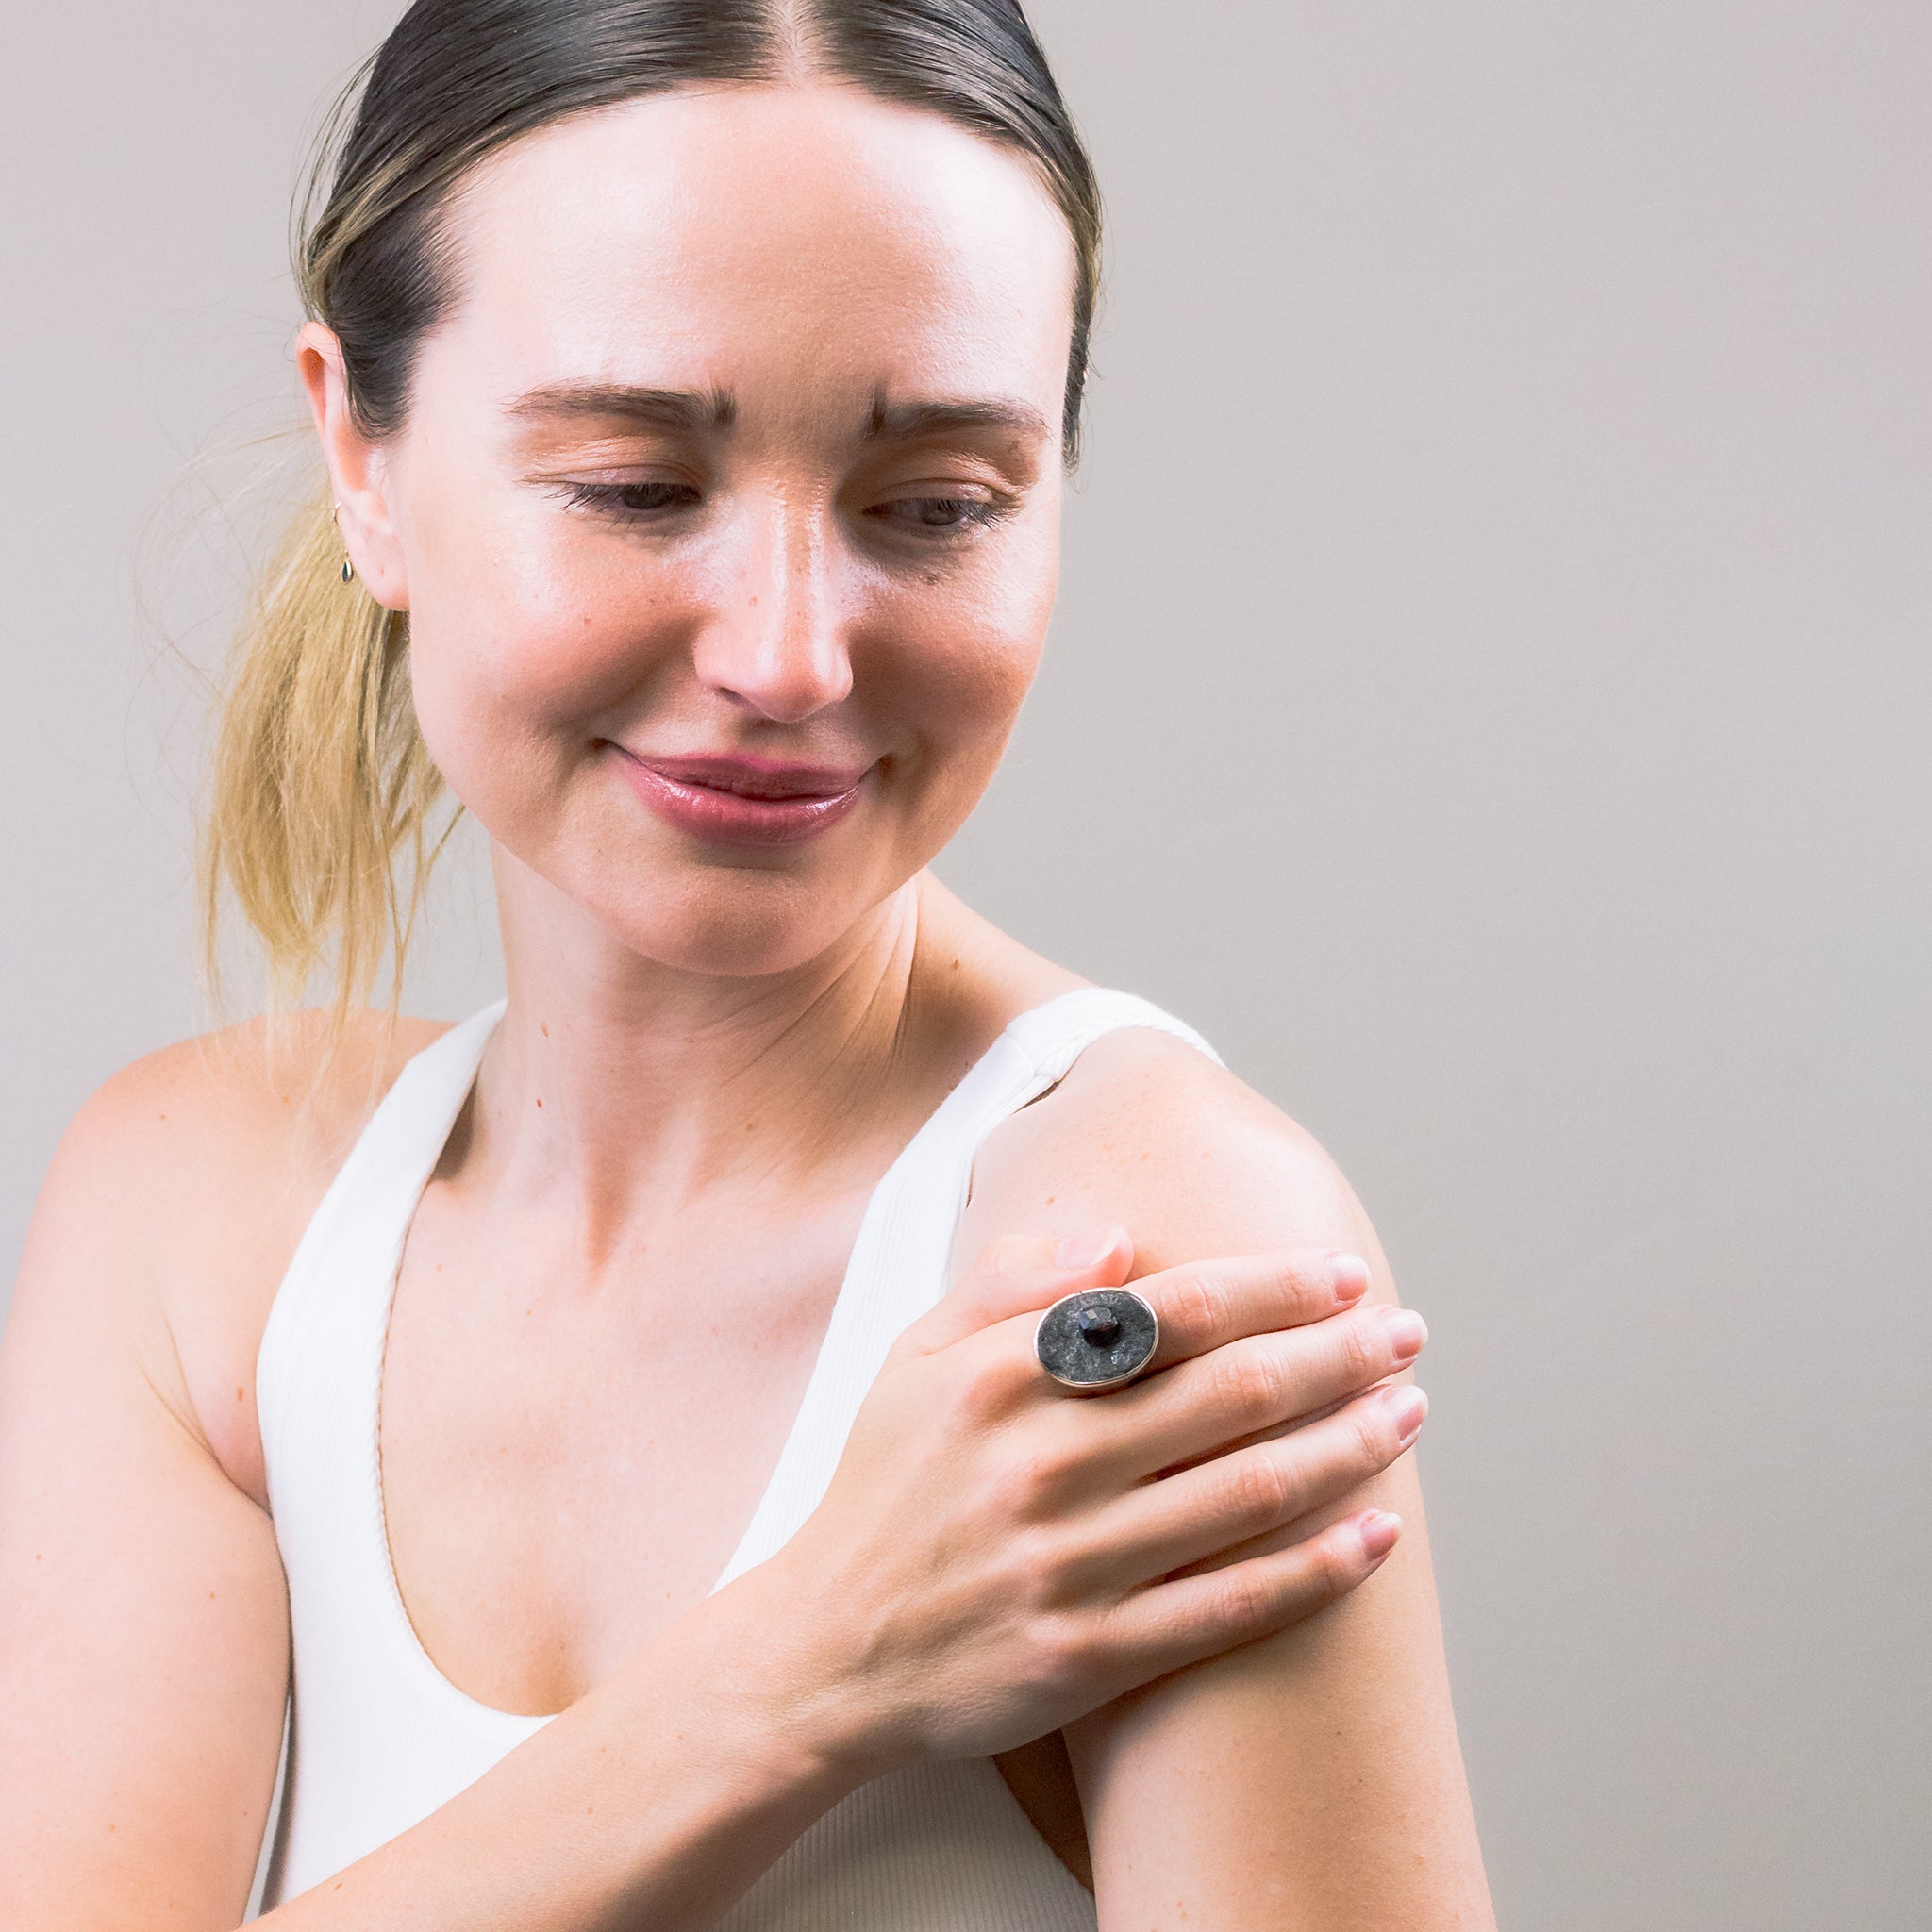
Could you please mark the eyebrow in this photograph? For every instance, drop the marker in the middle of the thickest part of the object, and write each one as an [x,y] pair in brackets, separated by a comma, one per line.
[694,409]
[902,421]
[658,408]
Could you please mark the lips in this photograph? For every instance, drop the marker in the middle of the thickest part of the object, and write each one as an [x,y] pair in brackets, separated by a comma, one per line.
[741,800]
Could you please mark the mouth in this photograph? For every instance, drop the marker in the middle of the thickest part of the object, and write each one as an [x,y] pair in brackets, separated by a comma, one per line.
[736,799]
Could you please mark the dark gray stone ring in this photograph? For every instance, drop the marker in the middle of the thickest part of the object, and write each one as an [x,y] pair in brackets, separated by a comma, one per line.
[1101,1338]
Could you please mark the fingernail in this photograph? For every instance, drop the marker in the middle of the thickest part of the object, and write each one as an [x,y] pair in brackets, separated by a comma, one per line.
[1407,1331]
[1087,1250]
[1349,1275]
[1379,1530]
[1406,1406]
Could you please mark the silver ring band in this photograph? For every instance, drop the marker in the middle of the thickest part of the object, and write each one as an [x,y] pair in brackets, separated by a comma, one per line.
[1099,1339]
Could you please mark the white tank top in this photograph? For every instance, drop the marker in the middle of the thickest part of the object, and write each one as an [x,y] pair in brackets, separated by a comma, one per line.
[379,1738]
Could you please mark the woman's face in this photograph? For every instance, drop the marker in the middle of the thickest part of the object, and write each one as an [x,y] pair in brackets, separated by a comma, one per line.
[726,508]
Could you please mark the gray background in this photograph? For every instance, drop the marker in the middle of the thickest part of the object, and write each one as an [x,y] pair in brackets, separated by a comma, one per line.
[1488,697]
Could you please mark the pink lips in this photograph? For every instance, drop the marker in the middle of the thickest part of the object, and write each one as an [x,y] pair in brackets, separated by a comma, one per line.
[743,800]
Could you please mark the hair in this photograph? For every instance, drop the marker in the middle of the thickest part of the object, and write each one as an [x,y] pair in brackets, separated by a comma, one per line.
[321,821]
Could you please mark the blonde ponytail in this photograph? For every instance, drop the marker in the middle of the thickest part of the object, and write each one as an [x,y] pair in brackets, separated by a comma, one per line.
[318,822]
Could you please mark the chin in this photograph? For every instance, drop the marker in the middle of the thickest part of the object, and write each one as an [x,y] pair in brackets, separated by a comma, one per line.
[736,924]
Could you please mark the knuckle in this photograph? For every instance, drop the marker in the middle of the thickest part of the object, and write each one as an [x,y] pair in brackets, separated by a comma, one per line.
[1337,1566]
[988,1391]
[1198,1305]
[1308,1276]
[966,1401]
[1240,1600]
[1363,1353]
[1010,1258]
[1261,1489]
[1060,1649]
[1375,1436]
[1026,1570]
[1033,1480]
[1245,1383]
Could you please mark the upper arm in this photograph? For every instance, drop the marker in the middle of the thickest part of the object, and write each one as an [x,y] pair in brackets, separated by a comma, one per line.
[1313,1778]
[143,1645]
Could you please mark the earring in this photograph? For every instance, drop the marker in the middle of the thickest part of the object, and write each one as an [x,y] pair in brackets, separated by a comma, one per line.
[348,568]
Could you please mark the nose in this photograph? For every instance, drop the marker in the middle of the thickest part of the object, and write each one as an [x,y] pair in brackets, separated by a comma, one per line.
[776,642]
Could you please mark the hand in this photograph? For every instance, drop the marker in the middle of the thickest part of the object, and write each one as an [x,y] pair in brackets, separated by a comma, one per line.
[997,1555]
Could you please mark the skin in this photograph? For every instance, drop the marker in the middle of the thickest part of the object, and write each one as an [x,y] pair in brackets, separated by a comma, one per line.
[710,1054]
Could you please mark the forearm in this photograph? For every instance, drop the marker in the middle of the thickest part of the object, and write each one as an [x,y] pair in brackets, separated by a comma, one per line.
[654,1801]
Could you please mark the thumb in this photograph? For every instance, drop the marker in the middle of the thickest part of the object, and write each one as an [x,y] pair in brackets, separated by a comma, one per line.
[1021,1274]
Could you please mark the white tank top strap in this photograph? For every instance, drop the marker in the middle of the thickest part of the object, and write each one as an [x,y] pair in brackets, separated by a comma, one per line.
[318,1395]
[322,1347]
[901,1262]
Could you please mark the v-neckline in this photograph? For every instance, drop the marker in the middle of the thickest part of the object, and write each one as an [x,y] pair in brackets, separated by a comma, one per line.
[796,1443]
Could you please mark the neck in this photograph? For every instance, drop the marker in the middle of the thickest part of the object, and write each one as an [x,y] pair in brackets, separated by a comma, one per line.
[633,1087]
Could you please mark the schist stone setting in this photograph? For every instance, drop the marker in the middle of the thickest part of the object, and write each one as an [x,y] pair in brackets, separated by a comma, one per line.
[1097,1339]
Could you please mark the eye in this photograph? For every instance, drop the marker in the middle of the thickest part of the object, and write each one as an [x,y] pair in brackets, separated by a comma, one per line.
[941,516]
[632,502]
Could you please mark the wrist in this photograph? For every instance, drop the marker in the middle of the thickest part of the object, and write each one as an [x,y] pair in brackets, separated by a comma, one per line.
[792,1665]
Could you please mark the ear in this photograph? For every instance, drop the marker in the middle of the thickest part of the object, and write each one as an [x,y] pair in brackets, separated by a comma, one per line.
[360,469]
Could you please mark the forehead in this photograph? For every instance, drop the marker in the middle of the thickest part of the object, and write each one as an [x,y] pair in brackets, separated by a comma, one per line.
[805,246]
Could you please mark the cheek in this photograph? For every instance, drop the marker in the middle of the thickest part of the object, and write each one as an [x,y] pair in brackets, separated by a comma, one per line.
[521,645]
[955,663]
[1006,617]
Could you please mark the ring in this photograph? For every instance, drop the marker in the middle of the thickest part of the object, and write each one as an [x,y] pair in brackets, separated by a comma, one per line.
[1101,1338]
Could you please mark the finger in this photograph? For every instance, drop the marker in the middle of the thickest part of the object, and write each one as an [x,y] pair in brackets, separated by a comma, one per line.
[1205,1305]
[1021,1275]
[1235,1391]
[1171,1625]
[1217,1505]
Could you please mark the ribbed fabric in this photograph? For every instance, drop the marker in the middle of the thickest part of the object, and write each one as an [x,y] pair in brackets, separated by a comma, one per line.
[380,1738]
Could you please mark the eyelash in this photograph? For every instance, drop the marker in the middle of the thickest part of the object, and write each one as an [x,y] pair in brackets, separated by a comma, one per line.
[610,498]
[613,500]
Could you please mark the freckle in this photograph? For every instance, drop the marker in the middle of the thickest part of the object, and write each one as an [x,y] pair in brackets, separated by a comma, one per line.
[544,1028]
[163,1116]
[112,1826]
[210,1597]
[241,1393]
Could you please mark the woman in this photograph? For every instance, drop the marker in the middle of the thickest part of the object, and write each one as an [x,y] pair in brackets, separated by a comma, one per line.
[697,378]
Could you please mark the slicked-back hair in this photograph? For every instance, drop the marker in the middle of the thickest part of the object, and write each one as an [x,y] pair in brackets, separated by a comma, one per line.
[458,80]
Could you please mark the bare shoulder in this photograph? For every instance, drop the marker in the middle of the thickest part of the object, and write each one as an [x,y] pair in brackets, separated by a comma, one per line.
[1149,1133]
[267,1089]
[179,1191]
